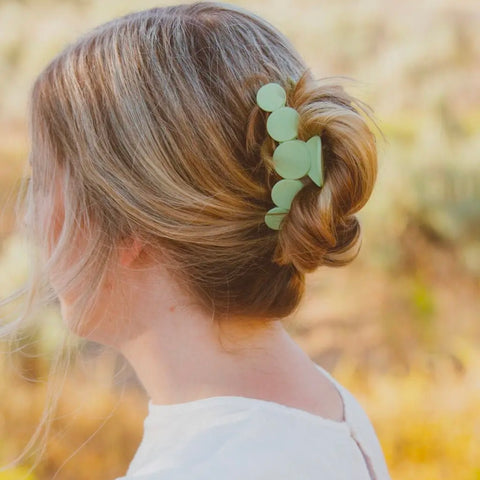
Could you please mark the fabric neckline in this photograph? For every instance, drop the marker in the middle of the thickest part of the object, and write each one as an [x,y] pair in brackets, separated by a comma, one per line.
[236,400]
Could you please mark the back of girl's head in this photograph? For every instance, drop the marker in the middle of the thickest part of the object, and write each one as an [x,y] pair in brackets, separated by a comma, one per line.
[150,122]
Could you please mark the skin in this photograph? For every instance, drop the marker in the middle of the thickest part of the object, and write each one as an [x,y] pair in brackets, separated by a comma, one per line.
[180,355]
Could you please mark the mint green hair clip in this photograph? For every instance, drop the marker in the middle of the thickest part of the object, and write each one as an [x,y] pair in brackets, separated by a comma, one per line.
[293,159]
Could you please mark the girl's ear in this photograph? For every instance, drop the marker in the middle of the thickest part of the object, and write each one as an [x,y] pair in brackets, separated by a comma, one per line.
[130,249]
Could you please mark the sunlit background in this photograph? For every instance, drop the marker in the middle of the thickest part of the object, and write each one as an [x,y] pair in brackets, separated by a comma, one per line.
[399,327]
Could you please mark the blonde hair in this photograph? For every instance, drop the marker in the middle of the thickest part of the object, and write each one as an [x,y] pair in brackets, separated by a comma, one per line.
[148,126]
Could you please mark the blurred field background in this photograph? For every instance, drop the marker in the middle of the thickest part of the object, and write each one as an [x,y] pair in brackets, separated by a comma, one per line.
[399,326]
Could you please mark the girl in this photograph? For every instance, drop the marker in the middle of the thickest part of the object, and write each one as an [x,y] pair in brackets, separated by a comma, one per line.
[187,172]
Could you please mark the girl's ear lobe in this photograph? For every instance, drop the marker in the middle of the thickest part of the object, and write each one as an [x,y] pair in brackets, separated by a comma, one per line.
[130,250]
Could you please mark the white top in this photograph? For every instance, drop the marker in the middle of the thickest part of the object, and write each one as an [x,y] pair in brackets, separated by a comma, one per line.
[240,438]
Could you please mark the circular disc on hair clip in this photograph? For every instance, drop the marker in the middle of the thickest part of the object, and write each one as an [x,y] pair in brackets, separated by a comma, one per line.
[292,159]
[284,191]
[314,146]
[271,96]
[274,217]
[282,124]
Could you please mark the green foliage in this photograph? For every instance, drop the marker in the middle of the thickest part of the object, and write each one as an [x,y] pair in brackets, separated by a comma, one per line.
[423,309]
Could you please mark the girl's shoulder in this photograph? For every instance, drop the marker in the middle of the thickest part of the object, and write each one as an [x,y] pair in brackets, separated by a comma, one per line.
[361,427]
[355,415]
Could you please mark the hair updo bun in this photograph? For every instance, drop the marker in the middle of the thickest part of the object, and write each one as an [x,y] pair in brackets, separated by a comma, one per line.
[172,148]
[321,228]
